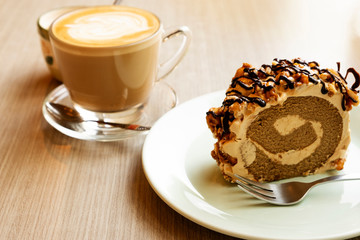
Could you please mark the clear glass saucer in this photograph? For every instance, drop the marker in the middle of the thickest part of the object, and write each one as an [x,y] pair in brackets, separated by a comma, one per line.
[162,99]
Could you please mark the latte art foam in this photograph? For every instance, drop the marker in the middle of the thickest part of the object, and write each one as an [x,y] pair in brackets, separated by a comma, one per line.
[106,26]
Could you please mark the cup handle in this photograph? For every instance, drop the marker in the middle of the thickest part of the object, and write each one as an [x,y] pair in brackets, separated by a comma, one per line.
[169,65]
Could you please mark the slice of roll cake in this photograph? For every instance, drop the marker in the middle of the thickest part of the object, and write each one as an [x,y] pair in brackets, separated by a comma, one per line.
[283,120]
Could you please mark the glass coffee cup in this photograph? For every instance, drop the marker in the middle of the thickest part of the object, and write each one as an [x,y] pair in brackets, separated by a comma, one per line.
[108,58]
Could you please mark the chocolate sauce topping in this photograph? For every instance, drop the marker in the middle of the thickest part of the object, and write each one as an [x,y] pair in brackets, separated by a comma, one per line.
[257,86]
[240,98]
[356,76]
[288,74]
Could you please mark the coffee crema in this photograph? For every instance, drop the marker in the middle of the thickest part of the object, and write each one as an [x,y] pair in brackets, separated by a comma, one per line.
[106,26]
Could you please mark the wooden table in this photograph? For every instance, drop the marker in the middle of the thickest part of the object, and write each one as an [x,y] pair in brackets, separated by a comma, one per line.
[56,187]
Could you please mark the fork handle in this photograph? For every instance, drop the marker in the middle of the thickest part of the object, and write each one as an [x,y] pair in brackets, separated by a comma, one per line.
[345,177]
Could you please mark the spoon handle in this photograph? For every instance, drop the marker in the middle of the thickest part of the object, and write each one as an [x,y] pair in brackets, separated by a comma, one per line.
[134,127]
[66,114]
[117,2]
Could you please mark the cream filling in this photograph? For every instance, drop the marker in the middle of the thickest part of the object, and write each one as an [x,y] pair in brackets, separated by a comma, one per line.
[293,156]
[244,149]
[283,126]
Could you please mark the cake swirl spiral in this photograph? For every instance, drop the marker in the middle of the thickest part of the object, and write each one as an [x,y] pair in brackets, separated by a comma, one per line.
[283,120]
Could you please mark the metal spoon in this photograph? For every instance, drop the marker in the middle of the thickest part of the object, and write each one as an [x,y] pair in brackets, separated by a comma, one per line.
[68,114]
[117,2]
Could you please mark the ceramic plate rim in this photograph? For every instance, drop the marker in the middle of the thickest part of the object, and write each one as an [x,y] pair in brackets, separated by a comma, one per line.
[152,148]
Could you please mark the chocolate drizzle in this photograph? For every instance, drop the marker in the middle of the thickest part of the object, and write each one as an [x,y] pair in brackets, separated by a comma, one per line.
[239,98]
[356,76]
[288,74]
[258,86]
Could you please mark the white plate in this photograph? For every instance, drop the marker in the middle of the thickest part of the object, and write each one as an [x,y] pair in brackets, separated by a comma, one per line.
[178,165]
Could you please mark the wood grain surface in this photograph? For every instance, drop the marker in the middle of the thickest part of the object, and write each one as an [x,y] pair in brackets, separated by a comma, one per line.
[56,187]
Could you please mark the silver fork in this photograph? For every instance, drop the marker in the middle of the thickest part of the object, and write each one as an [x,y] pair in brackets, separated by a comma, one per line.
[287,193]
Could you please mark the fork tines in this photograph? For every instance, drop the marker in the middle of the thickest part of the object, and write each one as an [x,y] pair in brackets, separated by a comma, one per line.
[258,190]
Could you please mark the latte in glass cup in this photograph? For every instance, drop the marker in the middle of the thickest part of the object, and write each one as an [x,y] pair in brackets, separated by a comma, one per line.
[108,57]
